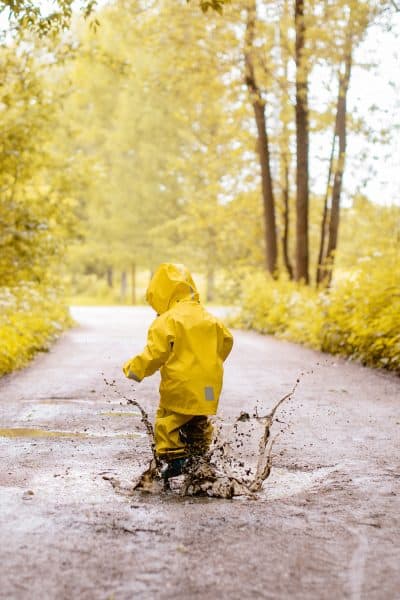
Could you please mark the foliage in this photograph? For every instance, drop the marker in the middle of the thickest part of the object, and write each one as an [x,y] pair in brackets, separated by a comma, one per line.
[280,307]
[38,17]
[173,138]
[37,209]
[167,156]
[134,142]
[358,318]
[217,5]
[31,317]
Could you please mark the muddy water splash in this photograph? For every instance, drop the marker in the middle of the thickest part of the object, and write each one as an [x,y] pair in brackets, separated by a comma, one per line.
[264,462]
[144,417]
[150,479]
[219,475]
[215,474]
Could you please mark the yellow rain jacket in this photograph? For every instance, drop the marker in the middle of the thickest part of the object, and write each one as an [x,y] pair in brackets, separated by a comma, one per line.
[185,342]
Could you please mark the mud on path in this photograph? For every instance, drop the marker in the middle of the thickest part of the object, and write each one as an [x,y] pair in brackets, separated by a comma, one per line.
[326,525]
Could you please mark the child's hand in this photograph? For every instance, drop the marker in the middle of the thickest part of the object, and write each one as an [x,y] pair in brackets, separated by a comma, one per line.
[128,373]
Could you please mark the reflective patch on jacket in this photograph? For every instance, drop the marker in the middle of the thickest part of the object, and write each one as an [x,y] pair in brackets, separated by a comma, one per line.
[209,393]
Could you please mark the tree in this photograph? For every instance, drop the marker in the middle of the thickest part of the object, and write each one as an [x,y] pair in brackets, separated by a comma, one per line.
[263,147]
[285,157]
[328,248]
[353,30]
[302,145]
[37,202]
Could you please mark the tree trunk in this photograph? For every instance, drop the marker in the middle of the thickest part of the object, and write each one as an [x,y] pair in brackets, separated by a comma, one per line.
[284,143]
[263,146]
[341,129]
[133,283]
[124,286]
[302,147]
[210,282]
[110,277]
[325,214]
[285,232]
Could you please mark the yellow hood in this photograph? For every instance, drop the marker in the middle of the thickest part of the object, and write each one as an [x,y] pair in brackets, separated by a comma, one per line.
[169,284]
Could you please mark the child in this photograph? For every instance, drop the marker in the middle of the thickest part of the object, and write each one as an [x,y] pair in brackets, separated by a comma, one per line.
[189,346]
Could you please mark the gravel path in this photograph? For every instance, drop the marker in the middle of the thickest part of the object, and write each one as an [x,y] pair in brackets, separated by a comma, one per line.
[326,525]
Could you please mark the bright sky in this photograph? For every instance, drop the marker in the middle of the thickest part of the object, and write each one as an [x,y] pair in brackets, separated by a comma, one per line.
[379,87]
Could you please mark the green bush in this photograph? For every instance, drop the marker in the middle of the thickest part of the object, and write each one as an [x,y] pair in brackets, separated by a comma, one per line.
[363,316]
[358,317]
[31,317]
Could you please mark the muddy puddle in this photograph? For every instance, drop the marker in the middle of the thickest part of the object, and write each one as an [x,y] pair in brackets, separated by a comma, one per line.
[57,400]
[283,483]
[50,409]
[20,432]
[111,413]
[30,433]
[237,465]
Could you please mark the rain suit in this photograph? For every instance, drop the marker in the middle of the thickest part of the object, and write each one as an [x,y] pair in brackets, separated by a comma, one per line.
[189,346]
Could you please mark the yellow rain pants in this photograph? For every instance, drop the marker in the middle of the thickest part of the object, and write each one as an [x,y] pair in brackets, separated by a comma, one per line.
[179,435]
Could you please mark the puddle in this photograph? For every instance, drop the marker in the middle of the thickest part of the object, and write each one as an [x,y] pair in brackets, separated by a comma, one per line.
[77,400]
[123,436]
[37,433]
[219,473]
[57,401]
[43,433]
[114,413]
[283,483]
[61,400]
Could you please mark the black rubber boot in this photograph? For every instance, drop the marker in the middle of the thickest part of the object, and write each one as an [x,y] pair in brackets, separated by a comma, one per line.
[173,468]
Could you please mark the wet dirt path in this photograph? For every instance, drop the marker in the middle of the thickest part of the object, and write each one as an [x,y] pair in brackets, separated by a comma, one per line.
[326,525]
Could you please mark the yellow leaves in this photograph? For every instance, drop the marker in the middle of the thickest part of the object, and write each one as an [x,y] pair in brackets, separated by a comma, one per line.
[31,317]
[216,5]
[37,17]
[36,213]
[363,315]
[358,318]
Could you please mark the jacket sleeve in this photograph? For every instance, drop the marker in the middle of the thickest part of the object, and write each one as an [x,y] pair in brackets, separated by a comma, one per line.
[160,340]
[227,341]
